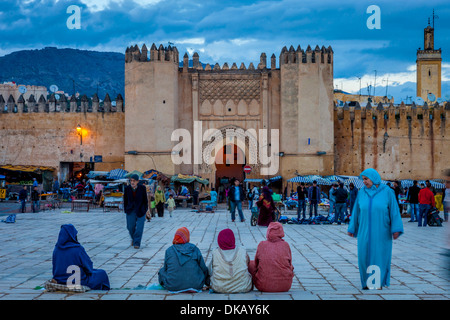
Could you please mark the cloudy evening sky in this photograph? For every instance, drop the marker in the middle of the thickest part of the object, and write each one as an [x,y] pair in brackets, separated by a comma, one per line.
[238,31]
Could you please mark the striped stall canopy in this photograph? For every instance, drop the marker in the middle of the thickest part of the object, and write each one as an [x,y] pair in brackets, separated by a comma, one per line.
[334,179]
[299,179]
[320,180]
[407,183]
[117,174]
[358,182]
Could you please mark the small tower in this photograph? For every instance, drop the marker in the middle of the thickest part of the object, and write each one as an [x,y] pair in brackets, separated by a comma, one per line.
[428,67]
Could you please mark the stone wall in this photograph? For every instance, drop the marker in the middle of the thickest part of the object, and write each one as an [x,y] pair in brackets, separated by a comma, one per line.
[45,133]
[401,142]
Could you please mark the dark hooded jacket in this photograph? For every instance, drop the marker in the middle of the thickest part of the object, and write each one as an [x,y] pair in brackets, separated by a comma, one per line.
[68,252]
[184,268]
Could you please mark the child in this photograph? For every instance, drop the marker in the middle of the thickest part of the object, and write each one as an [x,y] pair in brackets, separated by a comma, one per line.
[171,204]
[152,206]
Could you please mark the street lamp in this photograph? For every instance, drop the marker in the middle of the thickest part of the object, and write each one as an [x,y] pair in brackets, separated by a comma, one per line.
[79,131]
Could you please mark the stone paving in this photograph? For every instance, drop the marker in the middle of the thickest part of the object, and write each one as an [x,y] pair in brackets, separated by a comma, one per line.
[324,257]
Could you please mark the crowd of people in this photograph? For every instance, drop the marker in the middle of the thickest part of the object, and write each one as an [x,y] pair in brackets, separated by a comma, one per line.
[375,222]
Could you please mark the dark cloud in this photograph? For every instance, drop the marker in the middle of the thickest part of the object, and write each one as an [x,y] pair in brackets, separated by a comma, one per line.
[273,24]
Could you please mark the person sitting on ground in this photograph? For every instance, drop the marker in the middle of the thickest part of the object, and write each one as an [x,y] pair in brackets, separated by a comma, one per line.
[184,268]
[272,269]
[229,266]
[69,252]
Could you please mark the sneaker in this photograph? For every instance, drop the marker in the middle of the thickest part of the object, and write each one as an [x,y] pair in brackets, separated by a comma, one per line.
[136,247]
[232,220]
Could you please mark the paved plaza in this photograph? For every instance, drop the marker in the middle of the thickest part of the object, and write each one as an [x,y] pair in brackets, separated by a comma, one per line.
[324,257]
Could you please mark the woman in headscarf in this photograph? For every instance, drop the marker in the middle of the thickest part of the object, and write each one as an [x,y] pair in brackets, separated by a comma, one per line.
[375,221]
[229,266]
[160,200]
[266,207]
[184,268]
[272,269]
[69,252]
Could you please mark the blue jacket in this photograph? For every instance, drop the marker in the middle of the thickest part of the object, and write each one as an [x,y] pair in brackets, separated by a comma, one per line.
[139,203]
[310,192]
[184,268]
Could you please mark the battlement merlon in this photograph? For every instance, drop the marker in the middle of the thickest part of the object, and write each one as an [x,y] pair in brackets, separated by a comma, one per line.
[52,105]
[162,54]
[318,55]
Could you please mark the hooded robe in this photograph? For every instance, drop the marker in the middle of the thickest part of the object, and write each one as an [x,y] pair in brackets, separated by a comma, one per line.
[272,269]
[375,218]
[68,251]
[184,268]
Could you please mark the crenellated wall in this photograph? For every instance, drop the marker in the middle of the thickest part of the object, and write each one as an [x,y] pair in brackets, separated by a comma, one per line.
[296,98]
[45,132]
[401,142]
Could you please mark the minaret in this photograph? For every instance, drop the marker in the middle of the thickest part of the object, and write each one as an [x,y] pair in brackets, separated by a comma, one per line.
[428,67]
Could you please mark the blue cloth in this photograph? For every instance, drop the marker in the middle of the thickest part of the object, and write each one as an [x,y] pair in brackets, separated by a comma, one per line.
[184,268]
[353,195]
[67,252]
[375,218]
[213,195]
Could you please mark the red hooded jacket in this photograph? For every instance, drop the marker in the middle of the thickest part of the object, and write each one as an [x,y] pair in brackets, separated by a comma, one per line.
[272,269]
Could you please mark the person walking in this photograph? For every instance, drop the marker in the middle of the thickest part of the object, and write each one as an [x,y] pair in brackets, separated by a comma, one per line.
[375,222]
[135,203]
[302,193]
[236,196]
[353,195]
[160,200]
[35,200]
[171,205]
[341,203]
[314,198]
[426,202]
[23,195]
[266,207]
[413,199]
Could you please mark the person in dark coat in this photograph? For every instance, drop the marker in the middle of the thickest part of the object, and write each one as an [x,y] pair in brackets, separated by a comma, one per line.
[302,194]
[413,199]
[135,204]
[35,200]
[23,195]
[314,199]
[184,267]
[353,195]
[69,252]
[266,207]
[341,203]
